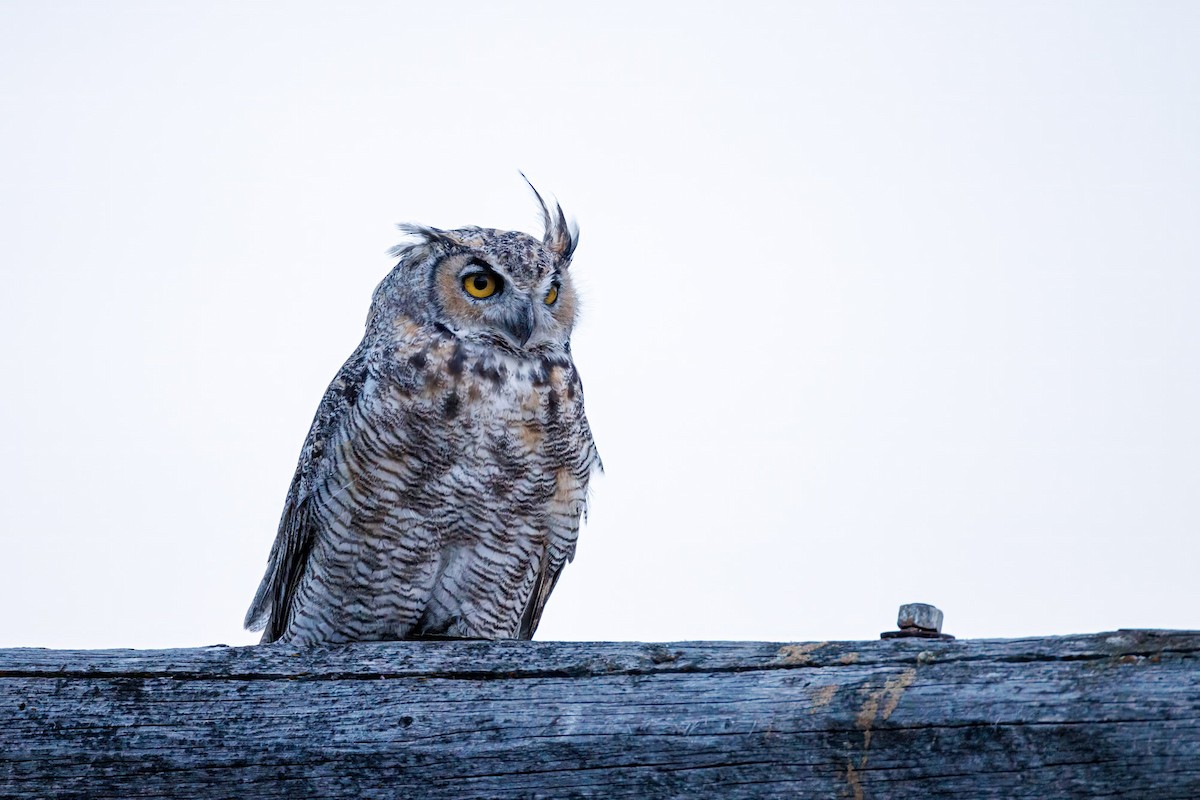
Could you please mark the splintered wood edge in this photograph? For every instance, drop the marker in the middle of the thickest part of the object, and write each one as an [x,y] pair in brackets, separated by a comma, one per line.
[474,659]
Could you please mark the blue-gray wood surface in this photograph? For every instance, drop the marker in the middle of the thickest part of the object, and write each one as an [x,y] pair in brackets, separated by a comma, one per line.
[1102,715]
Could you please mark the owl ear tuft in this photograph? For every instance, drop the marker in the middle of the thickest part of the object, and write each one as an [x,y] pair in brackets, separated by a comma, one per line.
[560,237]
[427,236]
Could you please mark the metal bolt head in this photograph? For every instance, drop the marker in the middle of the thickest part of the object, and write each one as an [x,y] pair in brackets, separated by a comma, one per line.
[920,615]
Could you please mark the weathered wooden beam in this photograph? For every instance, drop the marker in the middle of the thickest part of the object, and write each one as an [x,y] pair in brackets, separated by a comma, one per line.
[1103,715]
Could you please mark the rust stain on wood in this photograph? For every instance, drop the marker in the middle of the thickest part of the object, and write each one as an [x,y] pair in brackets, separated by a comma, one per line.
[821,697]
[893,690]
[852,780]
[878,706]
[889,696]
[799,653]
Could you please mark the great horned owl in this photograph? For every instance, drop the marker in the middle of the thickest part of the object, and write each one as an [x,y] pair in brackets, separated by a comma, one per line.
[441,485]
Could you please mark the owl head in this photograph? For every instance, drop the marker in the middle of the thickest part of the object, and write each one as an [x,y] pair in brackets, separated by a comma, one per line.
[504,289]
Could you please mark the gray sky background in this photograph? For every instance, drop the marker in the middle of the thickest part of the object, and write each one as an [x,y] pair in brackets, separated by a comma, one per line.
[883,302]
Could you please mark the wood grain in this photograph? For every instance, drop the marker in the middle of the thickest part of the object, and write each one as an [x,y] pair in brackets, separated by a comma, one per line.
[1102,715]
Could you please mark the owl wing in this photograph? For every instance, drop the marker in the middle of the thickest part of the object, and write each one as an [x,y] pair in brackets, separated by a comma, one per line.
[542,588]
[575,460]
[272,604]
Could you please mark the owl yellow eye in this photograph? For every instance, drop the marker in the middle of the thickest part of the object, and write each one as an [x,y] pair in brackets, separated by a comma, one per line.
[551,295]
[480,285]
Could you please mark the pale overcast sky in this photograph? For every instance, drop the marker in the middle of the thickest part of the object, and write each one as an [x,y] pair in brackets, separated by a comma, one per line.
[884,302]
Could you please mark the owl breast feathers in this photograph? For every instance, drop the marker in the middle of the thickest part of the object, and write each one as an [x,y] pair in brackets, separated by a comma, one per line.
[440,489]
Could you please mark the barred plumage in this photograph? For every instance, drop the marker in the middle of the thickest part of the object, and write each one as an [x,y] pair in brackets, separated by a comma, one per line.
[440,489]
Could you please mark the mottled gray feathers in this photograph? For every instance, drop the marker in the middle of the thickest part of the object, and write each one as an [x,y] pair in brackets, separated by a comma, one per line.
[440,488]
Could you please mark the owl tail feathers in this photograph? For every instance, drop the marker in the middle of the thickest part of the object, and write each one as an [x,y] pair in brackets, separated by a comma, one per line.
[263,614]
[260,607]
[259,613]
[270,611]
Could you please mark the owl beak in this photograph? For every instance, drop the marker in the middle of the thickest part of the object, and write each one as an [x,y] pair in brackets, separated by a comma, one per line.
[520,325]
